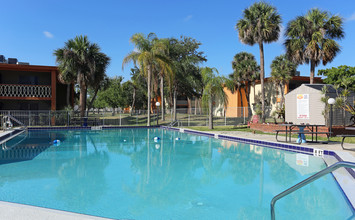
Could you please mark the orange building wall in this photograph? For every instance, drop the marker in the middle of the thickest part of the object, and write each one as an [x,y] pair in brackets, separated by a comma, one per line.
[233,109]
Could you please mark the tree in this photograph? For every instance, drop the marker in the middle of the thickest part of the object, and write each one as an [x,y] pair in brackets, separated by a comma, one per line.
[164,70]
[212,91]
[81,61]
[100,78]
[282,71]
[186,78]
[139,92]
[342,76]
[311,38]
[147,54]
[113,95]
[343,80]
[245,73]
[260,24]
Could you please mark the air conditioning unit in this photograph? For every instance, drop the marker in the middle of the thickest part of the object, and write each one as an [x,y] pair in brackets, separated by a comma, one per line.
[12,61]
[2,59]
[22,63]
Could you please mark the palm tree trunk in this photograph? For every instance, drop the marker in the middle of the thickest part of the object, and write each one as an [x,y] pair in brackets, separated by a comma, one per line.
[175,118]
[68,94]
[162,97]
[247,94]
[282,92]
[313,66]
[83,90]
[241,101]
[261,48]
[210,113]
[254,91]
[93,98]
[149,101]
[133,100]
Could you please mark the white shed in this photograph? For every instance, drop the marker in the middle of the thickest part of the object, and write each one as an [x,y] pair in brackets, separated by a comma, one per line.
[304,105]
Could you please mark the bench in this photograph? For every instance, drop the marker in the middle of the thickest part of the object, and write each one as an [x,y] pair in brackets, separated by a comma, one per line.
[342,141]
[302,132]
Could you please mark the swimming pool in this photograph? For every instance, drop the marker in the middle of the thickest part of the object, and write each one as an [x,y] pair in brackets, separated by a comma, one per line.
[124,173]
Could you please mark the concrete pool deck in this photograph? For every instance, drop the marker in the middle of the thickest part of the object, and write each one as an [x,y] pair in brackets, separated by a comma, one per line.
[331,146]
[16,211]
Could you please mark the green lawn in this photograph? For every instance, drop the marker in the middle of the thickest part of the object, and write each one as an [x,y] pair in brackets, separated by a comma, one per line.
[246,129]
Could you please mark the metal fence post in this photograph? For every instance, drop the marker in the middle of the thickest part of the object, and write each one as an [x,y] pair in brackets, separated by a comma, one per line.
[68,121]
[49,118]
[225,118]
[103,118]
[29,118]
[244,114]
[120,119]
[188,120]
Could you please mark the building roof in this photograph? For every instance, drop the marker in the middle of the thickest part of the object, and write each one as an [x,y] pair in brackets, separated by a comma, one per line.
[295,78]
[319,87]
[27,68]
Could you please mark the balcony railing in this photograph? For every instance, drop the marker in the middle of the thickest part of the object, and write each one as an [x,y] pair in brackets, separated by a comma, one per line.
[17,90]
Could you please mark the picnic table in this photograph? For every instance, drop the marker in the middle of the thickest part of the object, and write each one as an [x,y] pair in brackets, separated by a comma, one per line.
[345,136]
[291,128]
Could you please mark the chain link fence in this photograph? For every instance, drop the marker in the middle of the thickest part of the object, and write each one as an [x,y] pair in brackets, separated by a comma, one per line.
[114,117]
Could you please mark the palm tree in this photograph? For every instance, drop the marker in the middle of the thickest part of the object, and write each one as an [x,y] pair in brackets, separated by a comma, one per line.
[164,70]
[310,38]
[148,53]
[260,24]
[81,60]
[212,91]
[245,73]
[100,79]
[282,71]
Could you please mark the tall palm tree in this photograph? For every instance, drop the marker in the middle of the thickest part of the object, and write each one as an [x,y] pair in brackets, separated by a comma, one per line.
[260,24]
[81,60]
[245,73]
[148,53]
[164,70]
[282,71]
[212,91]
[310,38]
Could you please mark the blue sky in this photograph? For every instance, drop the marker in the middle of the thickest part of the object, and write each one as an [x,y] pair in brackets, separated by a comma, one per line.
[31,30]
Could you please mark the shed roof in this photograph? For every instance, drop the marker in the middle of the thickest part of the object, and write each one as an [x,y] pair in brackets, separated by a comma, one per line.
[319,87]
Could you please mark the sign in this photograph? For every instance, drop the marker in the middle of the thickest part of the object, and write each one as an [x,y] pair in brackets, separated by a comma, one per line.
[302,106]
[302,160]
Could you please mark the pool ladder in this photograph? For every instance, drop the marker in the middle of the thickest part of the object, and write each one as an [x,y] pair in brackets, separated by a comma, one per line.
[172,124]
[307,181]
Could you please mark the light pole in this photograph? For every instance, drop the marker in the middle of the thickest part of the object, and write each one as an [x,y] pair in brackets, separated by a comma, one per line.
[331,102]
[157,104]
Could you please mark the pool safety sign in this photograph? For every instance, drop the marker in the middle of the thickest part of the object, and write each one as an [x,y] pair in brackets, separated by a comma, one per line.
[302,106]
[302,160]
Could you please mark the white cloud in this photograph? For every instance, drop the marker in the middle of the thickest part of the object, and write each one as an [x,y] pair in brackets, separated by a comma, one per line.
[281,39]
[351,18]
[48,34]
[187,18]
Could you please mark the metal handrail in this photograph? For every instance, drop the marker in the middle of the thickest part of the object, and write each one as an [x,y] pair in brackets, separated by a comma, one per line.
[307,181]
[173,123]
[14,119]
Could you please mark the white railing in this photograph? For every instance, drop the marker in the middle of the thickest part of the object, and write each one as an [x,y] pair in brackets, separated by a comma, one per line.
[16,90]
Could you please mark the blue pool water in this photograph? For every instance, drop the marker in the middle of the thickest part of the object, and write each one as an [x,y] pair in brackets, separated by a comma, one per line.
[125,174]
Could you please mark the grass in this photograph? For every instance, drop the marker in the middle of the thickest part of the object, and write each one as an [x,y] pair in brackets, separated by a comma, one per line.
[247,129]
